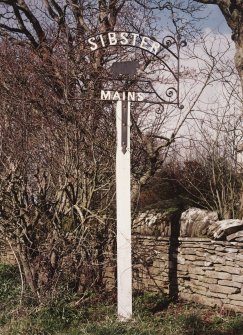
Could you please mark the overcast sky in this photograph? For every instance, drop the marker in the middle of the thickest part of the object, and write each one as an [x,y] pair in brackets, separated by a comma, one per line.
[210,19]
[215,20]
[212,107]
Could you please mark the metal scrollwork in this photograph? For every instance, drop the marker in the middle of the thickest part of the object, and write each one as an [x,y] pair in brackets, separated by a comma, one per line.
[170,95]
[183,43]
[125,75]
[168,41]
[171,92]
[160,110]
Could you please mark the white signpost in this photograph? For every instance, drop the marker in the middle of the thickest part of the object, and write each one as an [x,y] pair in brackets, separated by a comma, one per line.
[123,204]
[123,201]
[123,170]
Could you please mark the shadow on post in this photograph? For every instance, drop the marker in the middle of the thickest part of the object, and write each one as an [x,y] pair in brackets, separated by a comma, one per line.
[173,256]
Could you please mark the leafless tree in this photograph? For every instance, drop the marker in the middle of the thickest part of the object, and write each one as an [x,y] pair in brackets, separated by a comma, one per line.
[58,141]
[233,13]
[210,166]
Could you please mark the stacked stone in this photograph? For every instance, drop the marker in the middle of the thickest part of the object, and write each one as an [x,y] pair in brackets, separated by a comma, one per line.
[152,223]
[201,270]
[211,272]
[150,263]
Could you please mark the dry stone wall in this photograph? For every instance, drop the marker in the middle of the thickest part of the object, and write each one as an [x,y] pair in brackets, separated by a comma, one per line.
[195,269]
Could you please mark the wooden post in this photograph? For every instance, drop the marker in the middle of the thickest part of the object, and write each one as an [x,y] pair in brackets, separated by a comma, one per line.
[123,200]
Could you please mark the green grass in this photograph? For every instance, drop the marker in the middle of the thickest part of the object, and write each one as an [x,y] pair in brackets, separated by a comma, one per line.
[154,314]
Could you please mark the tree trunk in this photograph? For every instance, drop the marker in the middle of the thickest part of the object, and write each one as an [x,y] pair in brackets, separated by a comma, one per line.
[27,269]
[239,58]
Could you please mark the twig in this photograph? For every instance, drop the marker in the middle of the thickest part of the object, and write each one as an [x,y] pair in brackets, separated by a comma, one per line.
[20,271]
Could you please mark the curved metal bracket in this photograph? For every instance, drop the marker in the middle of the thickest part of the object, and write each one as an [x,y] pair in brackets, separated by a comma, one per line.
[159,50]
[169,48]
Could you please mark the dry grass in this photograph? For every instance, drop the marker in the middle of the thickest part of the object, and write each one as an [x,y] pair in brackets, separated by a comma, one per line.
[153,315]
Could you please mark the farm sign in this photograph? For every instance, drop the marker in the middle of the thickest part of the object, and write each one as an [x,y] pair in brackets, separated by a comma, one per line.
[124,39]
[125,73]
[121,96]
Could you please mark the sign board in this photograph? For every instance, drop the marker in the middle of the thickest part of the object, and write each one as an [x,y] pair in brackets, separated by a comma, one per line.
[124,39]
[121,96]
[125,68]
[123,99]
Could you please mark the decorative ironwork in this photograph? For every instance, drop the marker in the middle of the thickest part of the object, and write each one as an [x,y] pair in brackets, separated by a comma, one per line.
[168,41]
[126,39]
[122,75]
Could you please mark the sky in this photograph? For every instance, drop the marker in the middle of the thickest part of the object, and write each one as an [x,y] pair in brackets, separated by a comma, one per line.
[209,20]
[212,110]
[215,20]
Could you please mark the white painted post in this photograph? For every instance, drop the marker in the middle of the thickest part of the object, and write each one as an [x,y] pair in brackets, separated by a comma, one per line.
[123,201]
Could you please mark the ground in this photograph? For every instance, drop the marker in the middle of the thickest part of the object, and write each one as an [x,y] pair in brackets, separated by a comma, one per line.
[95,314]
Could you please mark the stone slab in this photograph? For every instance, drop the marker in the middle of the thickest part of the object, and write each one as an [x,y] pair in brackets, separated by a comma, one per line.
[223,289]
[230,283]
[218,275]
